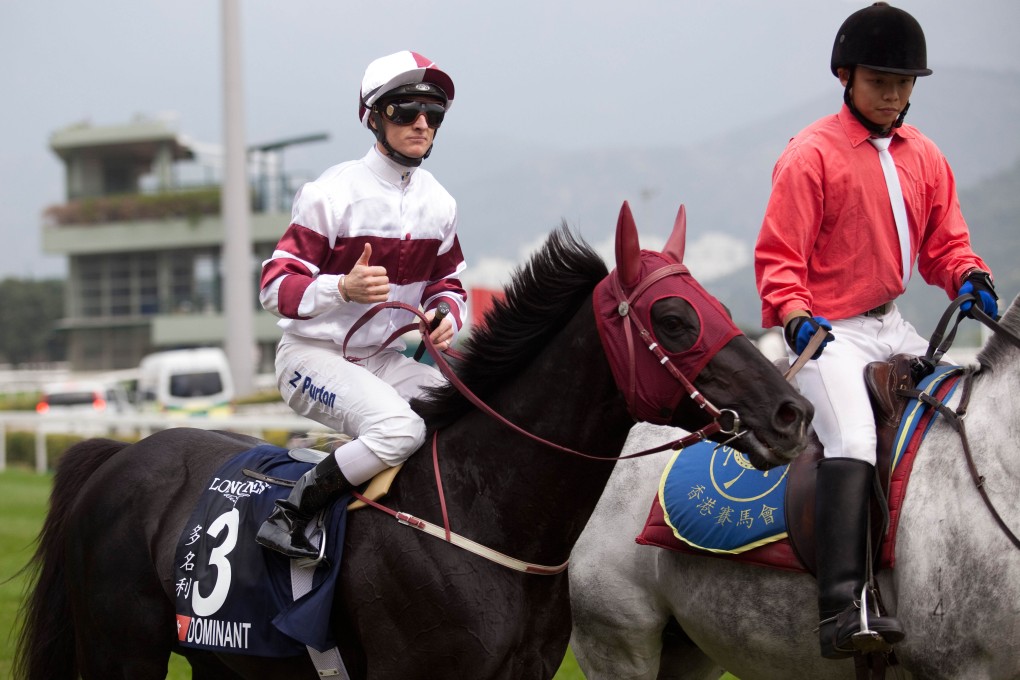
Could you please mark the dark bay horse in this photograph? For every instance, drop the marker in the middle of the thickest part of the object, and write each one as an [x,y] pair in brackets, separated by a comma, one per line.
[410,605]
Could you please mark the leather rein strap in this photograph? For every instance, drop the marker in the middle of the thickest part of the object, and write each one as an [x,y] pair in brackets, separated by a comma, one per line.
[449,536]
[443,365]
[940,343]
[957,420]
[467,544]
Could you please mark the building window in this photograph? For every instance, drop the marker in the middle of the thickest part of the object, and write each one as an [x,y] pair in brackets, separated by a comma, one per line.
[182,279]
[90,287]
[148,284]
[119,269]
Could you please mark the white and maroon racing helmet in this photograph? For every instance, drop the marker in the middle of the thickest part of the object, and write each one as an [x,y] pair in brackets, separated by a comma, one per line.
[402,73]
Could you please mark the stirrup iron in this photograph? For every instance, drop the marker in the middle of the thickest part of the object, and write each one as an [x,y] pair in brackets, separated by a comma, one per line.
[866,640]
[320,530]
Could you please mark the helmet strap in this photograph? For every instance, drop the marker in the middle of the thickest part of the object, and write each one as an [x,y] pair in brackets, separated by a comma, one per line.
[380,135]
[871,127]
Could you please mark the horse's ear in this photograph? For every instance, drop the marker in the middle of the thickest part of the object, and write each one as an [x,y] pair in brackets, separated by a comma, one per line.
[678,239]
[628,250]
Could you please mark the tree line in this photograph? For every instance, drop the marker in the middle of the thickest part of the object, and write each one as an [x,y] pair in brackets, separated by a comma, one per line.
[29,313]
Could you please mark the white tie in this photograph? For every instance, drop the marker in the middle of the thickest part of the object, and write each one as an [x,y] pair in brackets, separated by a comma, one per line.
[899,211]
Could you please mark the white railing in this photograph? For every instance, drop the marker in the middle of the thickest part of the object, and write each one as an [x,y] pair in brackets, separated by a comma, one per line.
[140,425]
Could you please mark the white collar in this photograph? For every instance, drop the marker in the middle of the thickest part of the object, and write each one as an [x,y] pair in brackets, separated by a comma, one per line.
[387,168]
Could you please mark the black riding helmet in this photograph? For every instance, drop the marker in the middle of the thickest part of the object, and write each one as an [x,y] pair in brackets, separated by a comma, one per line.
[882,38]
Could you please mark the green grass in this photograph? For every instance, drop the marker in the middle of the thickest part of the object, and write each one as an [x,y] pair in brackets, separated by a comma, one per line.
[23,503]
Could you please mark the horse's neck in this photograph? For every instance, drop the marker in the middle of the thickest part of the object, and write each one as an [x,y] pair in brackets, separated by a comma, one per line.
[993,419]
[566,396]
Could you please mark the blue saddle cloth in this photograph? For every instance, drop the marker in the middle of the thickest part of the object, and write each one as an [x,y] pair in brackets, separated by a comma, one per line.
[235,596]
[713,499]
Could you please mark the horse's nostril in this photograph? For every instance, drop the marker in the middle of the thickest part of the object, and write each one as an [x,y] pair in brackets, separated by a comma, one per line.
[793,416]
[788,414]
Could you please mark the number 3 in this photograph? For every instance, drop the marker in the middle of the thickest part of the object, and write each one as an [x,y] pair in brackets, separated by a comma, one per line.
[207,606]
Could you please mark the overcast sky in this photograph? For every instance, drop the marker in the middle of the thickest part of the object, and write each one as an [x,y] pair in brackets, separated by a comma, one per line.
[558,73]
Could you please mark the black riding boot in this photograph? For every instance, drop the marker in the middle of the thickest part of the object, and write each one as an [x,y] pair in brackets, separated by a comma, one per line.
[284,531]
[841,528]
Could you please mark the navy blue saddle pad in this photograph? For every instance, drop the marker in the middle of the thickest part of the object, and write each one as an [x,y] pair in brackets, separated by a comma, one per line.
[233,595]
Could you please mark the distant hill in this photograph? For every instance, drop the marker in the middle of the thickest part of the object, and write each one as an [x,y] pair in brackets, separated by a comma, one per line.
[510,196]
[992,209]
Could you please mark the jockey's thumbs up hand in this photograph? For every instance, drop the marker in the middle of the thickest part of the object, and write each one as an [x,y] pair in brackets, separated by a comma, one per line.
[366,283]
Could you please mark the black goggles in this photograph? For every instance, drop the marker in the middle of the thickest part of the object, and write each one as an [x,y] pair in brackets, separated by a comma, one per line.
[406,112]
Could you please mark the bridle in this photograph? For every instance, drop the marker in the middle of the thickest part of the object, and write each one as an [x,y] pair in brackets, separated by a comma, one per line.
[732,427]
[444,532]
[624,308]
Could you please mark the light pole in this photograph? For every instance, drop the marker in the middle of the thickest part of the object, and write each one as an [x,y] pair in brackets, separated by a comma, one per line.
[239,291]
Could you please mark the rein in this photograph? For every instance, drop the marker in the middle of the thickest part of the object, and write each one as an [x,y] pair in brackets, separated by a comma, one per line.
[456,539]
[449,536]
[940,343]
[443,365]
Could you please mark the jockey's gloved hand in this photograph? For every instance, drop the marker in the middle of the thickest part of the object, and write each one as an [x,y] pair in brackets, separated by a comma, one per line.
[800,329]
[979,284]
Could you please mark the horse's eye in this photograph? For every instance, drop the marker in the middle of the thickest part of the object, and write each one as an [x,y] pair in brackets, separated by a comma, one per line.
[671,324]
[676,324]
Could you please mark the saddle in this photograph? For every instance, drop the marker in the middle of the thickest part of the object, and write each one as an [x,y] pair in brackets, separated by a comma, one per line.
[901,423]
[885,381]
[377,487]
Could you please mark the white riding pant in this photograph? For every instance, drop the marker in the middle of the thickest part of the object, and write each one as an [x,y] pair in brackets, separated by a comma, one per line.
[834,383]
[368,401]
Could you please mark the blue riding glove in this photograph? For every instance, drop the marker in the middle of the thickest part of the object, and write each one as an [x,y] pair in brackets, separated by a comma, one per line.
[801,329]
[979,284]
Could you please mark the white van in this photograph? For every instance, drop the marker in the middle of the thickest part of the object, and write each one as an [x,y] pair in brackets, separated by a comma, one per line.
[186,382]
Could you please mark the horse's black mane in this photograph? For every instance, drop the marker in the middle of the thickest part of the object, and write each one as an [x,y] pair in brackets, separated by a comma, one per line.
[541,297]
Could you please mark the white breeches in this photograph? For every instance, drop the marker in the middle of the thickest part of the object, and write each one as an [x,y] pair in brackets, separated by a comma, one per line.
[368,401]
[834,382]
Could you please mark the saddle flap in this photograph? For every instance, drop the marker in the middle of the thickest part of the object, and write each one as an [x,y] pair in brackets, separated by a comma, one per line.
[884,380]
[378,487]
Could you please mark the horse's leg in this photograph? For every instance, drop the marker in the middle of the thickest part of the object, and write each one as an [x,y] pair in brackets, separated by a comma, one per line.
[682,659]
[263,668]
[130,634]
[206,666]
[618,614]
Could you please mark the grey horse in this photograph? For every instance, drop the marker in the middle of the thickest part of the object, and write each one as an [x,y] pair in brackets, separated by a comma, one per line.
[645,612]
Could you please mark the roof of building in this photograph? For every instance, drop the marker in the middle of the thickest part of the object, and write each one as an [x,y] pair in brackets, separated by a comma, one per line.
[141,138]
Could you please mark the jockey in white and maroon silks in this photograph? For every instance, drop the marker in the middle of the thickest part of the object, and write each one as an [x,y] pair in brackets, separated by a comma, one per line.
[379,229]
[857,198]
